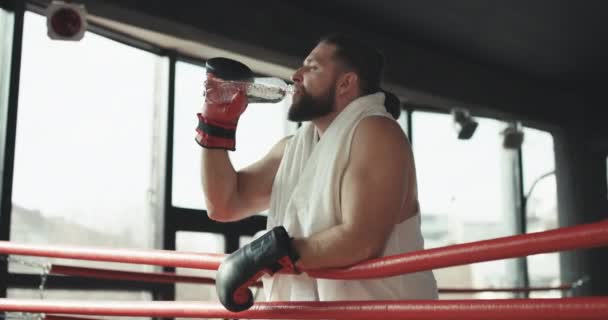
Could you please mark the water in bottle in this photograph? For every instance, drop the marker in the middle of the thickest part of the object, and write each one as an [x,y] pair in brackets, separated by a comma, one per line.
[262,90]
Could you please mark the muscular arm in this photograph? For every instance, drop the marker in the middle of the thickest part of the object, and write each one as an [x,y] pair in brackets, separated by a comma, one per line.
[372,197]
[232,195]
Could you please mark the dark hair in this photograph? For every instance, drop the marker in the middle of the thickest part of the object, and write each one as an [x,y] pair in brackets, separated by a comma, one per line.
[367,62]
[392,104]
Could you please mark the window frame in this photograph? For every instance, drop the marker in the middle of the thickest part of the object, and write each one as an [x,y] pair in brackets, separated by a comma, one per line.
[28,281]
[175,219]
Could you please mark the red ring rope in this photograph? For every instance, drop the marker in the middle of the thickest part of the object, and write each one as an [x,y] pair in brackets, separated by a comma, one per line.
[209,261]
[60,317]
[577,237]
[593,308]
[564,287]
[169,277]
[154,277]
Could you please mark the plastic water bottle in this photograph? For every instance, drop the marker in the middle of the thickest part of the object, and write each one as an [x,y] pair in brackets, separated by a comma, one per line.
[259,92]
[262,90]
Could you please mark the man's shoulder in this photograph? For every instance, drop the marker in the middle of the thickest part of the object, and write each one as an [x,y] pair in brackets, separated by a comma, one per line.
[378,140]
[380,128]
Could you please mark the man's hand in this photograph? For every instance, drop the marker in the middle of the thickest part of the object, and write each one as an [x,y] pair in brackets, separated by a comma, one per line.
[270,253]
[225,101]
[217,121]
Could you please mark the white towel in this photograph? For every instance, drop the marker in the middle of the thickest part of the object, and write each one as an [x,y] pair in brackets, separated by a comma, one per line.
[306,199]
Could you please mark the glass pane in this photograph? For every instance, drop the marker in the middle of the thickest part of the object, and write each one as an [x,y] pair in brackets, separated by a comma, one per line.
[85,165]
[466,194]
[403,121]
[88,295]
[6,45]
[260,127]
[541,202]
[187,189]
[243,240]
[187,241]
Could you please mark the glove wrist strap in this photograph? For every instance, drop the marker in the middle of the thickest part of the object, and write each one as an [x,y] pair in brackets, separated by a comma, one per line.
[214,135]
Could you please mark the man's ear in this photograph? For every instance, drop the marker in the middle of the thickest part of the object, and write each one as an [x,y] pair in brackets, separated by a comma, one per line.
[348,82]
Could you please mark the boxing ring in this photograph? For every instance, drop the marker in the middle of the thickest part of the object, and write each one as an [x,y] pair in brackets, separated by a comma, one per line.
[576,237]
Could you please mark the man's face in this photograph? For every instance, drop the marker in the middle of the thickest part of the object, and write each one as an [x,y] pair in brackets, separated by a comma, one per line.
[315,84]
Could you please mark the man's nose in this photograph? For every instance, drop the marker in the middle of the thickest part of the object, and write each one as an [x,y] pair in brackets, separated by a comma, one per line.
[297,76]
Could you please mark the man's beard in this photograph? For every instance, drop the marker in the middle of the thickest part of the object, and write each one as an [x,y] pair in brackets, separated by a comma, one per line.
[309,107]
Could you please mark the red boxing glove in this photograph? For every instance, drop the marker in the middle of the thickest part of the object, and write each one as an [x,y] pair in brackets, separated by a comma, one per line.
[218,120]
[225,101]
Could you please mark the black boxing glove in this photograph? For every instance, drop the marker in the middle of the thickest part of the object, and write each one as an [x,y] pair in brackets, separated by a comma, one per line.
[270,253]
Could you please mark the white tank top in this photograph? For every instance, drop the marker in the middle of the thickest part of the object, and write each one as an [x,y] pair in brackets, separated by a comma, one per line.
[305,200]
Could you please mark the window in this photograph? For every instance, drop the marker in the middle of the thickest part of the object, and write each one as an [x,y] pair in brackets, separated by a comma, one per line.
[186,241]
[466,194]
[540,192]
[260,128]
[403,119]
[6,45]
[85,147]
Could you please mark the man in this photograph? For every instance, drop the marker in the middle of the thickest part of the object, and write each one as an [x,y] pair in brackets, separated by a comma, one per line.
[340,191]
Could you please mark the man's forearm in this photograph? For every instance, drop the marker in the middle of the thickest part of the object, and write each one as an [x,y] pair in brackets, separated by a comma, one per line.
[334,248]
[219,180]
